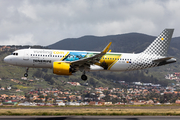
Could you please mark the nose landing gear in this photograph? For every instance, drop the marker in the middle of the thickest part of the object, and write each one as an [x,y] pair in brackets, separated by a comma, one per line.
[26,74]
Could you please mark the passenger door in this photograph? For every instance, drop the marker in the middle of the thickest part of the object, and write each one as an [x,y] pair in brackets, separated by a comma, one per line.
[26,55]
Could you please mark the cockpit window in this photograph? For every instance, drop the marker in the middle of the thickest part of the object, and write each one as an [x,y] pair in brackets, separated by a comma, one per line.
[15,54]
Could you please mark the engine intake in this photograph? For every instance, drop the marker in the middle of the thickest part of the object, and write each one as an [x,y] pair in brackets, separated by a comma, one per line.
[62,68]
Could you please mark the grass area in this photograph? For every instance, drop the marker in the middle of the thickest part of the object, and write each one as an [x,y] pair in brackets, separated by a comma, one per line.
[101,106]
[89,111]
[20,86]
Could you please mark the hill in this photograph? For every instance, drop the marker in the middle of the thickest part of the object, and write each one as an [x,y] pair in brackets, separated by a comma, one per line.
[131,42]
[120,43]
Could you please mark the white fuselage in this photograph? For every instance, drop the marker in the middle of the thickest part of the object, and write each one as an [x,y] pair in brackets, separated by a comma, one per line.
[44,58]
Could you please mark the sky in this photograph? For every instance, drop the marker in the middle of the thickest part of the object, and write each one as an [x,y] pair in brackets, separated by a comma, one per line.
[44,22]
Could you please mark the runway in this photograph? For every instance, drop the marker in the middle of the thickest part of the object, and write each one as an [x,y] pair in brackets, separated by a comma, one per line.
[89,117]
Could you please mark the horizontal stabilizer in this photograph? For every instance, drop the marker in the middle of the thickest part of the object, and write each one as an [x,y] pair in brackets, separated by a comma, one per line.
[162,59]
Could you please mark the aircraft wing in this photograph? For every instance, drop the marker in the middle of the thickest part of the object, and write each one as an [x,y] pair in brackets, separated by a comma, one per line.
[90,60]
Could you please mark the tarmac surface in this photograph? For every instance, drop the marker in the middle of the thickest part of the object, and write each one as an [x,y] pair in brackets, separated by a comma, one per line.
[89,117]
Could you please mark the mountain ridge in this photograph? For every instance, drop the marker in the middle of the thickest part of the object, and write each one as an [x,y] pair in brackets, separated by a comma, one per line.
[125,43]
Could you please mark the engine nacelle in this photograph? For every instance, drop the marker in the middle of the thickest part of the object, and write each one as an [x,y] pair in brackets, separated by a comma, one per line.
[62,68]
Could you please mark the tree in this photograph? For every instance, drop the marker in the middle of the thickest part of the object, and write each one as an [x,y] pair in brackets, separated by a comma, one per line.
[41,96]
[92,82]
[45,70]
[38,74]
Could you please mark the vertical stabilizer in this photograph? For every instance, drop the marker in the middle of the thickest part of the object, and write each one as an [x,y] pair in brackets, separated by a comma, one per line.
[160,45]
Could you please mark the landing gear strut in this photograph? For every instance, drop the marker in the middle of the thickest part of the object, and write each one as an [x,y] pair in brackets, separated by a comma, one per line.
[26,74]
[84,77]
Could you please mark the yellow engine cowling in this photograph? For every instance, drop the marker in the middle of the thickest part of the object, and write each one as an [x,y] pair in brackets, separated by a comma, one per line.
[61,68]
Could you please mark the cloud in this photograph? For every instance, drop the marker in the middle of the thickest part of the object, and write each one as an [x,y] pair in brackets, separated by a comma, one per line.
[24,39]
[44,22]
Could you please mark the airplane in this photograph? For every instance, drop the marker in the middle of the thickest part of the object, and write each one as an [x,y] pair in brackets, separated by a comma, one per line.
[66,62]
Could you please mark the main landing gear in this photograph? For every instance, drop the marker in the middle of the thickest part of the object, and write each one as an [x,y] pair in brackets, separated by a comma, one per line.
[84,77]
[26,74]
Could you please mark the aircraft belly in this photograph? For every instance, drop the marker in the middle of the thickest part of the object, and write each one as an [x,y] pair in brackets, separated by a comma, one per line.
[34,63]
[120,66]
[38,63]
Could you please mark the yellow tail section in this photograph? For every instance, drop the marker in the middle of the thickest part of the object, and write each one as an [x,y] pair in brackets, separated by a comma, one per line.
[107,48]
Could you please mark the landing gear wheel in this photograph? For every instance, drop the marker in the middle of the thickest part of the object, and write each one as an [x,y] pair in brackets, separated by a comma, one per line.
[84,77]
[25,75]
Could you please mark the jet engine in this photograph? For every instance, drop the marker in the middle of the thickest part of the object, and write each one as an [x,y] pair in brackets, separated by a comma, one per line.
[62,68]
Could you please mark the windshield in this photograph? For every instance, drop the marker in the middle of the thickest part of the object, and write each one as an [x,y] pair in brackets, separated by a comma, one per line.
[14,54]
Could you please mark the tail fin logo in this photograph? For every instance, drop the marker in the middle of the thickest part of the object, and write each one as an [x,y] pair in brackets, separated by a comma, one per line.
[151,56]
[160,45]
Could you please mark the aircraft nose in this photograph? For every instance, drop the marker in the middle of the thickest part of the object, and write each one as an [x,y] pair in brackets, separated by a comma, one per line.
[7,59]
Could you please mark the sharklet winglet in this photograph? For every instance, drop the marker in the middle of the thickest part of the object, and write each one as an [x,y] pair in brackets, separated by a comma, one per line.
[106,48]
